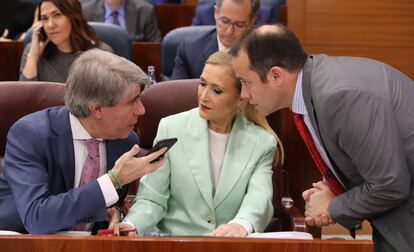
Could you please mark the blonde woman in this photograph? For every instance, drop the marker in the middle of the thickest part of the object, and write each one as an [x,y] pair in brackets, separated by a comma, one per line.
[217,179]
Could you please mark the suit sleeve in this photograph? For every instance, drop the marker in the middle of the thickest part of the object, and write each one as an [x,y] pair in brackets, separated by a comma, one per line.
[29,172]
[364,128]
[257,206]
[151,202]
[181,69]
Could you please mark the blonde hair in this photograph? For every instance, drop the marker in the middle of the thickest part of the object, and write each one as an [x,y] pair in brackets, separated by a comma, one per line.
[224,60]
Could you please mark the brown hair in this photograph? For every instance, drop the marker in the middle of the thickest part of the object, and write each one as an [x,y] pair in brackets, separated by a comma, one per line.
[224,60]
[82,36]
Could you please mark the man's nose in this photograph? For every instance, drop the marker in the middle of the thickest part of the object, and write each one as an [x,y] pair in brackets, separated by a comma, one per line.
[139,108]
[245,94]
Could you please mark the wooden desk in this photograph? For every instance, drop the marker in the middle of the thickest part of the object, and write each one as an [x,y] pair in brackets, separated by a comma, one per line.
[10,54]
[54,243]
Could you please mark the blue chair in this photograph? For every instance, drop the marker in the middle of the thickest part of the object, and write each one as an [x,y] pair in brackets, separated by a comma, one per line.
[114,36]
[172,40]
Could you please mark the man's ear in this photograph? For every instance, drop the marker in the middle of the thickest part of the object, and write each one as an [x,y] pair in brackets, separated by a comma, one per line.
[276,75]
[96,110]
[216,12]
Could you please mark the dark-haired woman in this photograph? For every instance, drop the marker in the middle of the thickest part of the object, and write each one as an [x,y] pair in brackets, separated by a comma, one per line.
[66,34]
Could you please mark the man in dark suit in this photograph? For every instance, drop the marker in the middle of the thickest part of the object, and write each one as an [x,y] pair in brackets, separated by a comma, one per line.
[232,19]
[359,115]
[137,17]
[46,184]
[204,14]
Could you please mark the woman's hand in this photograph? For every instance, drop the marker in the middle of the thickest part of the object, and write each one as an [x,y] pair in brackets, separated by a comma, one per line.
[123,226]
[37,45]
[36,49]
[231,229]
[114,217]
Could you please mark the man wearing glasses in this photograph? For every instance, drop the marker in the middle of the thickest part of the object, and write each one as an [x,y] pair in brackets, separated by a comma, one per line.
[233,17]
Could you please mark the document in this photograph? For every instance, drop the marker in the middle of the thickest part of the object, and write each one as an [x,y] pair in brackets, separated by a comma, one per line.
[282,235]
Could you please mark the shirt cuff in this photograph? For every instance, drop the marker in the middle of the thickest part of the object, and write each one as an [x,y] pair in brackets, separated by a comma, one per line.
[108,190]
[245,224]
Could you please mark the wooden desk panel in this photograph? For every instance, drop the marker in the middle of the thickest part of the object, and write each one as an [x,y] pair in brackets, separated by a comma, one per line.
[54,243]
[144,54]
[171,16]
[147,54]
[378,29]
[10,55]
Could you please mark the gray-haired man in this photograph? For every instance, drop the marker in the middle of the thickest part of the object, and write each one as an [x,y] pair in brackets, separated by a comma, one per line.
[43,181]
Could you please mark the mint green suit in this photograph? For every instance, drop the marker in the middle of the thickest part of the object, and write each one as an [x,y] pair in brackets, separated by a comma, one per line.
[178,198]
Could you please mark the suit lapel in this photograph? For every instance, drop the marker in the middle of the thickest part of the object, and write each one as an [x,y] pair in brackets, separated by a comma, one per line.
[197,155]
[238,153]
[61,142]
[306,90]
[211,47]
[131,15]
[98,14]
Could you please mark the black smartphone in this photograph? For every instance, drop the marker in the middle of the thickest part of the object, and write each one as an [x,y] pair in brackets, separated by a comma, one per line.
[169,142]
[42,34]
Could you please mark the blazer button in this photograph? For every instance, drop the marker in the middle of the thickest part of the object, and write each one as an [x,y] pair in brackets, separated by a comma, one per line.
[210,219]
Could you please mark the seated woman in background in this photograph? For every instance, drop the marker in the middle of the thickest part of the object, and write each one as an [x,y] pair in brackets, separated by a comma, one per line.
[217,178]
[66,33]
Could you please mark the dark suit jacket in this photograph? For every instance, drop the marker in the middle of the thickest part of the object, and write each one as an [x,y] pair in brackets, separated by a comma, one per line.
[191,55]
[140,18]
[36,185]
[362,110]
[204,14]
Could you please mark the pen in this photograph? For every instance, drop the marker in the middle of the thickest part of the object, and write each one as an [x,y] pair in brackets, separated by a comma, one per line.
[111,231]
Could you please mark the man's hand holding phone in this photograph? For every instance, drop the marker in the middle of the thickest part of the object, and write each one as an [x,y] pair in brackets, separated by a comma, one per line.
[168,143]
[129,168]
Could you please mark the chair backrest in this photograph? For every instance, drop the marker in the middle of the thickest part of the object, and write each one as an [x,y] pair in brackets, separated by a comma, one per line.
[18,98]
[172,40]
[163,99]
[117,38]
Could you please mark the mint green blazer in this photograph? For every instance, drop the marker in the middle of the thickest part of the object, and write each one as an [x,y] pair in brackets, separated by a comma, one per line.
[178,197]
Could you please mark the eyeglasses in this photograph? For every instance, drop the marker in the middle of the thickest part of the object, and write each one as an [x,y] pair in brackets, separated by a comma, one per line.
[226,23]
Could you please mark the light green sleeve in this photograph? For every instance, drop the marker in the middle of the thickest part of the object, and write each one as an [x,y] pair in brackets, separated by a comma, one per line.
[257,207]
[150,204]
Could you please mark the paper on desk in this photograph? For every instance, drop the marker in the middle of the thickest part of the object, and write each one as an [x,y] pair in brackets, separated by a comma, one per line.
[8,232]
[74,233]
[282,235]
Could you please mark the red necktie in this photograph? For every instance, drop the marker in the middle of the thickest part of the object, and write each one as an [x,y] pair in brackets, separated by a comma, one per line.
[333,182]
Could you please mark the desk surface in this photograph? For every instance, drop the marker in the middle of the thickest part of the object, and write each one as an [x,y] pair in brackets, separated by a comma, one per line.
[208,244]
